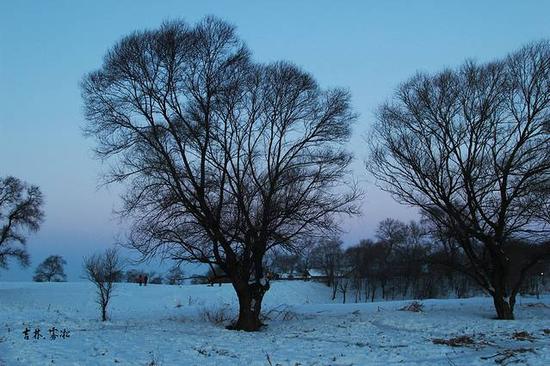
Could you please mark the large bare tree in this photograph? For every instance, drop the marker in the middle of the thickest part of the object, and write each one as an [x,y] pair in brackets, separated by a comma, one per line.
[20,213]
[471,148]
[224,158]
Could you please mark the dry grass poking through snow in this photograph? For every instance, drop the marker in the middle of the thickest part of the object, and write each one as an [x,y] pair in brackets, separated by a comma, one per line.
[523,336]
[415,307]
[460,341]
[509,356]
[219,315]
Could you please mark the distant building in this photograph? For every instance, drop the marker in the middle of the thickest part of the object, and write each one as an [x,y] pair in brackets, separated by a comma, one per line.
[309,274]
[316,274]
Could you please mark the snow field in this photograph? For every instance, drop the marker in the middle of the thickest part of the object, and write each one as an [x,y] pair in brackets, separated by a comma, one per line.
[165,325]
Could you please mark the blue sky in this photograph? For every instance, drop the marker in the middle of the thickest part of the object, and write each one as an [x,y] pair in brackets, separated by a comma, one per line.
[367,46]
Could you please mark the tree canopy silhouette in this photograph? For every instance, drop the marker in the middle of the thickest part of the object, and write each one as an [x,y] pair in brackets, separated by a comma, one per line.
[471,148]
[223,158]
[20,213]
[51,269]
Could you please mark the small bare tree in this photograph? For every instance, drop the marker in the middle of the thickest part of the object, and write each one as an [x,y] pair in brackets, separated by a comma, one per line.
[225,159]
[20,212]
[471,148]
[103,270]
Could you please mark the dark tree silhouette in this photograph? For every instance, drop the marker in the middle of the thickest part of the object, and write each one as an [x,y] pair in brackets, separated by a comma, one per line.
[216,275]
[20,213]
[285,263]
[471,148]
[132,275]
[224,158]
[175,276]
[103,270]
[327,256]
[52,269]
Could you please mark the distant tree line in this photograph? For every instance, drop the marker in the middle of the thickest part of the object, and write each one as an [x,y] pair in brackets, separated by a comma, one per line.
[174,276]
[405,261]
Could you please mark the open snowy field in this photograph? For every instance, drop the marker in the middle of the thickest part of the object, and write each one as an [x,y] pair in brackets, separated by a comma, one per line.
[165,325]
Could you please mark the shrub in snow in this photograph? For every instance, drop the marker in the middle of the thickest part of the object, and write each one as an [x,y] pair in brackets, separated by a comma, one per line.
[523,336]
[414,306]
[217,314]
[156,280]
[460,341]
[175,276]
[279,314]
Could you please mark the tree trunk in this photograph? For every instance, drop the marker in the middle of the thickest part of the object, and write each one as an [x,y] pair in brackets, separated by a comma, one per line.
[330,278]
[334,290]
[504,304]
[504,307]
[250,306]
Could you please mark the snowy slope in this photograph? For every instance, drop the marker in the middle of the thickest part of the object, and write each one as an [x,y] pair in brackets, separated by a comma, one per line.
[165,325]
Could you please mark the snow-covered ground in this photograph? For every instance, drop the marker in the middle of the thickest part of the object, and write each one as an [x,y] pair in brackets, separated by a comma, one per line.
[164,325]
